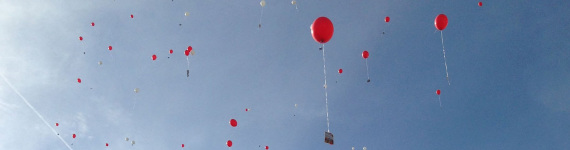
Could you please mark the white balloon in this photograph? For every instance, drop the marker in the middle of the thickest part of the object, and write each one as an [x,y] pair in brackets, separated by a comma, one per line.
[293,2]
[352,148]
[192,53]
[127,139]
[133,142]
[100,63]
[364,148]
[136,90]
[262,3]
[186,13]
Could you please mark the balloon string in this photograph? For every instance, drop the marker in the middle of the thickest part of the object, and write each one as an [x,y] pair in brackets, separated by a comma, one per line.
[261,17]
[326,94]
[439,97]
[188,61]
[34,109]
[445,60]
[367,74]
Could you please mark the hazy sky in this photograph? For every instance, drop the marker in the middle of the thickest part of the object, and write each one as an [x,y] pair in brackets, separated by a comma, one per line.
[508,64]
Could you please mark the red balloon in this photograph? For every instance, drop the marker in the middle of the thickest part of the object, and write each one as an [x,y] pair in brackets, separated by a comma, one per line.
[438,92]
[92,24]
[186,52]
[182,145]
[387,19]
[107,144]
[266,147]
[189,48]
[132,16]
[80,38]
[74,135]
[440,22]
[365,54]
[171,51]
[322,30]
[56,124]
[233,122]
[78,80]
[153,57]
[246,109]
[110,47]
[229,143]
[480,4]
[339,71]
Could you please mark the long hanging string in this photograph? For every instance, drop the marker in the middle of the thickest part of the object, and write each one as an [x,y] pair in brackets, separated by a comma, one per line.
[188,68]
[367,74]
[261,17]
[325,86]
[439,97]
[445,60]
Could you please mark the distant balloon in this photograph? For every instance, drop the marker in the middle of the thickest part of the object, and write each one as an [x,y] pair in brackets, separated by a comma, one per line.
[100,63]
[182,145]
[92,24]
[322,30]
[293,2]
[127,139]
[246,109]
[107,144]
[266,147]
[186,13]
[153,57]
[440,22]
[132,16]
[171,51]
[339,71]
[229,143]
[78,80]
[365,54]
[295,105]
[136,91]
[387,19]
[132,143]
[438,92]
[233,122]
[480,4]
[56,124]
[363,148]
[189,48]
[74,135]
[80,38]
[262,3]
[186,52]
[110,48]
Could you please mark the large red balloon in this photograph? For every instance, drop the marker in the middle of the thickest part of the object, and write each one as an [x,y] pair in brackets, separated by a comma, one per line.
[480,4]
[440,22]
[110,47]
[233,122]
[322,30]
[153,57]
[438,92]
[339,71]
[229,143]
[78,80]
[74,135]
[387,19]
[365,54]
[80,38]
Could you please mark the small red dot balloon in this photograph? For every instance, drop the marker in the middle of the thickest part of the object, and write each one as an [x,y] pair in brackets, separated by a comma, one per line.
[80,38]
[74,135]
[438,92]
[229,143]
[387,19]
[189,48]
[132,16]
[110,47]
[186,52]
[480,4]
[92,24]
[171,51]
[107,144]
[233,122]
[365,54]
[78,80]
[246,109]
[56,124]
[339,71]
[266,147]
[153,57]
[182,145]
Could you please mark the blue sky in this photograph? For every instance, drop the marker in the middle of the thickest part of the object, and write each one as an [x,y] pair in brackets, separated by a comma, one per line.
[508,65]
